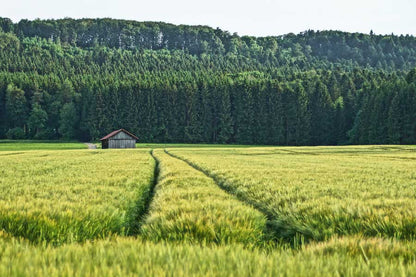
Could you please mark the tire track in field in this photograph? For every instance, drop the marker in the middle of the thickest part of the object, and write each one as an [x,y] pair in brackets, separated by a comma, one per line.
[141,210]
[188,206]
[270,232]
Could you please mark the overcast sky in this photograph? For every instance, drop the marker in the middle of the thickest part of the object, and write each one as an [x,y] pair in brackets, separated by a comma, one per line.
[257,17]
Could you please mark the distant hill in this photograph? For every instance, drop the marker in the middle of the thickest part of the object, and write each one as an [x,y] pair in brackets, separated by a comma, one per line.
[79,79]
[386,52]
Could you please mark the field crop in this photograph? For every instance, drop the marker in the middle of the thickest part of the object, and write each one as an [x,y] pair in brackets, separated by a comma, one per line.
[348,211]
[73,195]
[189,206]
[319,192]
[135,257]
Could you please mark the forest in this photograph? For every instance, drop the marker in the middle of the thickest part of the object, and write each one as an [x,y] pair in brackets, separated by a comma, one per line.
[80,79]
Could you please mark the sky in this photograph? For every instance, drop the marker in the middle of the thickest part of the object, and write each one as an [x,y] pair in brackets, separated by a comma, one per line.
[256,18]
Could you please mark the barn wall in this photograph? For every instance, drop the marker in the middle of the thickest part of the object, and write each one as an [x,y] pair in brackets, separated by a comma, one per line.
[121,143]
[121,135]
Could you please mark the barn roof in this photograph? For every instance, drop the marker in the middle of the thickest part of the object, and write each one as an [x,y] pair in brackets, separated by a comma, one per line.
[112,134]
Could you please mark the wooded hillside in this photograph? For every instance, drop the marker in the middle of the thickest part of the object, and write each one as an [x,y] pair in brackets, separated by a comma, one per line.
[80,79]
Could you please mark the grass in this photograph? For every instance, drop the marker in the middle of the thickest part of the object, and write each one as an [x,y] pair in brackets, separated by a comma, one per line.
[187,145]
[189,206]
[319,192]
[74,195]
[23,145]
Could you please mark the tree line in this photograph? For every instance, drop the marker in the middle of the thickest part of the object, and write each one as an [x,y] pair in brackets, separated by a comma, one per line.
[80,79]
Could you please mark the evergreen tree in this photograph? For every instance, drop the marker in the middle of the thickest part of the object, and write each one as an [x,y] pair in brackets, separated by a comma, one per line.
[225,121]
[321,110]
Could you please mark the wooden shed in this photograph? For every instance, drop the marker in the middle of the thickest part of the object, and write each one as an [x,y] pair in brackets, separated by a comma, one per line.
[119,139]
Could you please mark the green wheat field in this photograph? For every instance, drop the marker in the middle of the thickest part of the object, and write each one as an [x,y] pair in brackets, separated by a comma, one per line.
[208,210]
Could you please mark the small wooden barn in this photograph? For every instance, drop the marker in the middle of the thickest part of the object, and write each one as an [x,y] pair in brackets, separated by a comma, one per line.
[119,139]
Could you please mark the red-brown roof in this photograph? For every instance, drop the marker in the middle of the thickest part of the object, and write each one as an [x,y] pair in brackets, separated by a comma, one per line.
[118,131]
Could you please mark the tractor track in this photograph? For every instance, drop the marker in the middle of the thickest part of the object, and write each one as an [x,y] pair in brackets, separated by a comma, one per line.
[142,213]
[270,232]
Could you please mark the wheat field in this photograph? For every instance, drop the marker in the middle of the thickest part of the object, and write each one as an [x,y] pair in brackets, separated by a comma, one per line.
[210,211]
[73,195]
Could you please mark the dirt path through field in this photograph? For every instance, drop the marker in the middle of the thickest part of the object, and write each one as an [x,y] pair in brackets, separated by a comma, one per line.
[90,145]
